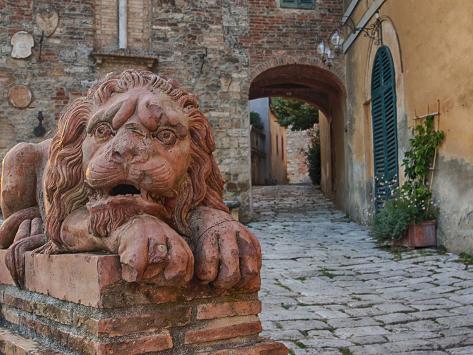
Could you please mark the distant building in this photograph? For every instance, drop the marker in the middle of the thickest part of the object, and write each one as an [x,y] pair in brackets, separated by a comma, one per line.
[277,152]
[268,147]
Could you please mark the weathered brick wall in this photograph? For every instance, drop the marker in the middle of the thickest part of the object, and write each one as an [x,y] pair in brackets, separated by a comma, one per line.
[63,71]
[106,19]
[199,45]
[209,46]
[298,143]
[277,32]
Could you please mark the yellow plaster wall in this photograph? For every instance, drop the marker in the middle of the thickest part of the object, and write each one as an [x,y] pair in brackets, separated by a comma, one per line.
[432,46]
[325,155]
[278,153]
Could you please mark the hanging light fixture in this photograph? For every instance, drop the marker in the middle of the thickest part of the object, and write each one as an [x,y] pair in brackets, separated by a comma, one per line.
[336,40]
[331,48]
[326,53]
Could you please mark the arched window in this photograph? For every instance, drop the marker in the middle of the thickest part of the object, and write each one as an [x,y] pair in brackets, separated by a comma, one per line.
[277,144]
[282,148]
[383,112]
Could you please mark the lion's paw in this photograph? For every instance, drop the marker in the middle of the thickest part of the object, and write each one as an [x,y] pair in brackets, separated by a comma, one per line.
[228,255]
[29,237]
[151,251]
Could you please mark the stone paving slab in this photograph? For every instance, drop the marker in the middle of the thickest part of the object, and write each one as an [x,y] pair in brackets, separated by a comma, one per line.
[328,289]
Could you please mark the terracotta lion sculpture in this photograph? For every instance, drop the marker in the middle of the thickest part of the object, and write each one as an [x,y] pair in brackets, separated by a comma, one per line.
[130,171]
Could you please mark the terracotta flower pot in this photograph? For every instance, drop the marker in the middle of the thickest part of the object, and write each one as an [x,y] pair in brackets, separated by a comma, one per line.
[421,235]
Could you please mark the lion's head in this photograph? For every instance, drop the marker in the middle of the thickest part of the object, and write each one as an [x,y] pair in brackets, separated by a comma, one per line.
[135,144]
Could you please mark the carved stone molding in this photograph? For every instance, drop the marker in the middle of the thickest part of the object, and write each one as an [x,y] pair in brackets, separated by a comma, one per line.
[131,57]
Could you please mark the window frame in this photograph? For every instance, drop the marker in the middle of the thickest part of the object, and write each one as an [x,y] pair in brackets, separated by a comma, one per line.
[384,125]
[297,4]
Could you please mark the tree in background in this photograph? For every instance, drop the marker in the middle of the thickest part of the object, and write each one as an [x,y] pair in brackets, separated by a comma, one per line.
[255,120]
[313,156]
[295,113]
[301,116]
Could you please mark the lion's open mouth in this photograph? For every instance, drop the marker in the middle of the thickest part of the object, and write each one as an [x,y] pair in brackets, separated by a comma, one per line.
[124,192]
[124,189]
[131,193]
[124,200]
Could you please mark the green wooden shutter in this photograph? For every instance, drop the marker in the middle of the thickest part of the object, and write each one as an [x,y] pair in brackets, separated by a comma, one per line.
[298,4]
[384,115]
[306,4]
[288,3]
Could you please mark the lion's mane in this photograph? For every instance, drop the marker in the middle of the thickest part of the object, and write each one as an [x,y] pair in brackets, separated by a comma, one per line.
[65,188]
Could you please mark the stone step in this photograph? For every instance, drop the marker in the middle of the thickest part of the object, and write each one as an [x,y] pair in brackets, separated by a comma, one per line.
[15,344]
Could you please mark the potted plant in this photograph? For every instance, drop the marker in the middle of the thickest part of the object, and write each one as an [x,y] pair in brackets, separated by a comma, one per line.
[409,216]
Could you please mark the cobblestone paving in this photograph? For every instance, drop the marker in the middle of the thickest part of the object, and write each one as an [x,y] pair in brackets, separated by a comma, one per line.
[327,288]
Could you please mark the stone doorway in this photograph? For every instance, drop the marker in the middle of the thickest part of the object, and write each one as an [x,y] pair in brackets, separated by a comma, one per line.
[282,132]
[324,90]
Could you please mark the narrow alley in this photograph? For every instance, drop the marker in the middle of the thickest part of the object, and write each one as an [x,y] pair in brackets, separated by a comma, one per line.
[328,289]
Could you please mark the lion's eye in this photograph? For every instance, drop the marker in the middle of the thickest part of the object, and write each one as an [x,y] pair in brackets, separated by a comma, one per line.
[166,136]
[103,131]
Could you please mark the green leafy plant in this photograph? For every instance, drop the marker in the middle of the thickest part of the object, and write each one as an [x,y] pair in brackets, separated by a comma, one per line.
[412,202]
[419,158]
[255,120]
[295,113]
[407,205]
[313,157]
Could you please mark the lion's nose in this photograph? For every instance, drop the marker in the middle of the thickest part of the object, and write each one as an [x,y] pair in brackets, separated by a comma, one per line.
[122,153]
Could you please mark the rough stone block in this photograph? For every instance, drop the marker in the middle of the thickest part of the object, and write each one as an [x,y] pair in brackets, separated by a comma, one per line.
[119,325]
[142,345]
[78,278]
[5,277]
[11,343]
[269,348]
[228,309]
[79,303]
[95,280]
[224,328]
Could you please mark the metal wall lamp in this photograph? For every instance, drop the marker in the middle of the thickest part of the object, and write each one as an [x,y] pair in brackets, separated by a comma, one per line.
[328,51]
[39,130]
[373,31]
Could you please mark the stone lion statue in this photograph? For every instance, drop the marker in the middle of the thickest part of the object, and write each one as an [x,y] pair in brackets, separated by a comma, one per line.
[130,171]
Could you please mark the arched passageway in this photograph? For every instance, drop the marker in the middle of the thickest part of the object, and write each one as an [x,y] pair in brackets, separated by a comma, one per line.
[323,89]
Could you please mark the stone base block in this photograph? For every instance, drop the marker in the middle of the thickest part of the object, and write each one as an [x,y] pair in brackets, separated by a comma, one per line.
[79,304]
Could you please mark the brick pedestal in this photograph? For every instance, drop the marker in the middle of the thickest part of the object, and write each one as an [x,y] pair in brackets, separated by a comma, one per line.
[78,303]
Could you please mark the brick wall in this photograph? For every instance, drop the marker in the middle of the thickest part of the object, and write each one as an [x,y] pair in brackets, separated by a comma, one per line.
[298,143]
[64,70]
[199,45]
[138,26]
[209,46]
[106,18]
[276,32]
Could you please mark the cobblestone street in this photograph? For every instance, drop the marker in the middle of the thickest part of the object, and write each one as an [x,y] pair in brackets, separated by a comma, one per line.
[328,289]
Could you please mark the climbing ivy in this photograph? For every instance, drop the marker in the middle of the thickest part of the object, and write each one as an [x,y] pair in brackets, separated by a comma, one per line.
[419,158]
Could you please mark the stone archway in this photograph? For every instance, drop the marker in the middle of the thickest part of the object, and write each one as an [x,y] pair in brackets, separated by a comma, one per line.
[310,81]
